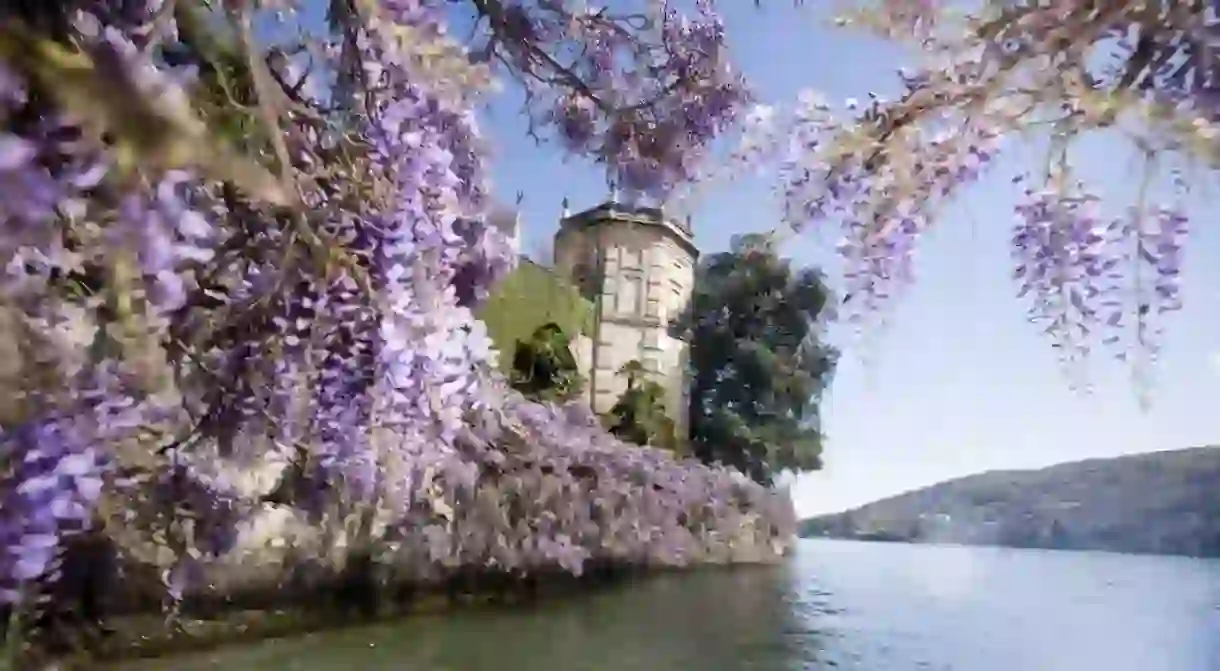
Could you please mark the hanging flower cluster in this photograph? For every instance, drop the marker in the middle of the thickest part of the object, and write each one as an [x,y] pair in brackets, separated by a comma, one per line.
[1006,70]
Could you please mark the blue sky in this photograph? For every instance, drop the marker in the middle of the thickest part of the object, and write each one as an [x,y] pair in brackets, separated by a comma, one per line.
[959,382]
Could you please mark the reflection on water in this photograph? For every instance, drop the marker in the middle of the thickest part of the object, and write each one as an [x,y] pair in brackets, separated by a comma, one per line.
[900,607]
[720,620]
[836,605]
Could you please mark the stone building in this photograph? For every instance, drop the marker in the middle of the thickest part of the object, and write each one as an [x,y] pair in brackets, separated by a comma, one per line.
[637,267]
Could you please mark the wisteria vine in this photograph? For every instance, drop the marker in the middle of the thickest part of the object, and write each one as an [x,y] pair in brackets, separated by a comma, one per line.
[245,239]
[878,172]
[233,252]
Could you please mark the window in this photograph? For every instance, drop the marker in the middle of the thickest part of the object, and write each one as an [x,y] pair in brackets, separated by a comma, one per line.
[676,296]
[631,258]
[629,293]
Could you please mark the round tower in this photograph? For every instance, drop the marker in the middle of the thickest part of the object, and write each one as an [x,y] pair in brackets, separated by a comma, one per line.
[637,267]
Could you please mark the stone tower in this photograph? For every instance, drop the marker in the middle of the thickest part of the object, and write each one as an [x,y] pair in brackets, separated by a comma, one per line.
[637,268]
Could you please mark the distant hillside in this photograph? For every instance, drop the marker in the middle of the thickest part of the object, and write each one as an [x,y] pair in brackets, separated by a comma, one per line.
[1160,502]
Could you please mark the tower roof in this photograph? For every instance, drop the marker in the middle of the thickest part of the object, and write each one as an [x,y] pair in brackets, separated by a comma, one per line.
[612,210]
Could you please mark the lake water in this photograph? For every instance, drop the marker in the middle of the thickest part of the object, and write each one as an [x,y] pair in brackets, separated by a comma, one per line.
[836,605]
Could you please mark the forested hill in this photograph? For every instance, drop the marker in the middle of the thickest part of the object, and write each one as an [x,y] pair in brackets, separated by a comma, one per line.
[1160,502]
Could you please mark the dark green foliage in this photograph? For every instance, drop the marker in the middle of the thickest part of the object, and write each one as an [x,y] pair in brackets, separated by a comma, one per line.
[757,366]
[639,414]
[543,366]
[1161,502]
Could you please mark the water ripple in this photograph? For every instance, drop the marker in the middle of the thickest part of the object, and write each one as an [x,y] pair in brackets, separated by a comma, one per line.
[836,605]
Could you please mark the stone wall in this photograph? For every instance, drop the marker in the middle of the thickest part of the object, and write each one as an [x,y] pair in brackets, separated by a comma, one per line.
[276,541]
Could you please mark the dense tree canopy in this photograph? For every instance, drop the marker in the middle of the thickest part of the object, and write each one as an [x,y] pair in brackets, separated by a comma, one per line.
[1158,502]
[758,366]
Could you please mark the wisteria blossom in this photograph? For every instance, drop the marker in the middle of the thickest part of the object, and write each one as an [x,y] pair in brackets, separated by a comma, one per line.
[983,79]
[213,271]
[237,242]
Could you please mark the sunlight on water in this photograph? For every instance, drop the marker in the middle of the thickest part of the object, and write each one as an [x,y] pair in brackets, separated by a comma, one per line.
[954,573]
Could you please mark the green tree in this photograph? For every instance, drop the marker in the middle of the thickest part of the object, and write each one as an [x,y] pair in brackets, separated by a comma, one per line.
[543,366]
[757,366]
[639,414]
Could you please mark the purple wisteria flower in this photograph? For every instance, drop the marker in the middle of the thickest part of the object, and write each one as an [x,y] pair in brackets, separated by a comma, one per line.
[51,481]
[202,332]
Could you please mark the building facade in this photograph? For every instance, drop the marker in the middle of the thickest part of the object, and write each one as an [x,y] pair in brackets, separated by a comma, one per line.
[637,267]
